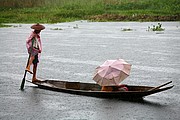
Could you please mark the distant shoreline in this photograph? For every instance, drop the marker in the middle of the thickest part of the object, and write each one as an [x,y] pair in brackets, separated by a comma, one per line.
[142,18]
[56,11]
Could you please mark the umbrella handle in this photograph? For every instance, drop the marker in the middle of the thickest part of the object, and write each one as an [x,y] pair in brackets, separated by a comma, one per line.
[160,86]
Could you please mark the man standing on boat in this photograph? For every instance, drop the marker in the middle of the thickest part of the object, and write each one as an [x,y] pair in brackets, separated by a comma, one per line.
[34,47]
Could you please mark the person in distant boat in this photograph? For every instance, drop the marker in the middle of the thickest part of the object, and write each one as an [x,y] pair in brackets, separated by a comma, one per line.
[114,88]
[34,47]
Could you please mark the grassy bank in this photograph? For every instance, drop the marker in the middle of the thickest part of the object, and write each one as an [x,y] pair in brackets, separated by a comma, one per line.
[52,11]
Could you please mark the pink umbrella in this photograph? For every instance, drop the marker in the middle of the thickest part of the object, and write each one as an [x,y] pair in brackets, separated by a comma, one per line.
[112,72]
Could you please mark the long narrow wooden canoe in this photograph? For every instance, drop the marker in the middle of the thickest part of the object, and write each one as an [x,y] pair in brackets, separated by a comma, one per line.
[94,90]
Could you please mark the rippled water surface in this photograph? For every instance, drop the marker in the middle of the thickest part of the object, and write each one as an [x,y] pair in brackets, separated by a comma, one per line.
[73,53]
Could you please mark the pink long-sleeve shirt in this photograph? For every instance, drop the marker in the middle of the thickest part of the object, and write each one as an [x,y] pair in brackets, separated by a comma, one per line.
[29,44]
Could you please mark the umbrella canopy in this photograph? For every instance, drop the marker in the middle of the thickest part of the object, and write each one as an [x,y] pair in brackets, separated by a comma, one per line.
[112,72]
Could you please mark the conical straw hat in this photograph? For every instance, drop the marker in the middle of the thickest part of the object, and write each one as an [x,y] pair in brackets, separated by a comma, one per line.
[37,26]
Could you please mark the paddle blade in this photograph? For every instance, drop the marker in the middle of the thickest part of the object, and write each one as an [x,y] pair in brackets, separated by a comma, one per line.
[22,84]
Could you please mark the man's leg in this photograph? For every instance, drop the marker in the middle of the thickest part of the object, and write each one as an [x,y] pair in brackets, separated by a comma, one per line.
[29,65]
[35,63]
[34,79]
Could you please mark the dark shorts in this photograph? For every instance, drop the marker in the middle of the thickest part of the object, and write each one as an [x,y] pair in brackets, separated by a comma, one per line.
[35,61]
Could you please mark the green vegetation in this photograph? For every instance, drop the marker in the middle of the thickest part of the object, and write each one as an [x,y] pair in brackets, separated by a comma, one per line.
[53,11]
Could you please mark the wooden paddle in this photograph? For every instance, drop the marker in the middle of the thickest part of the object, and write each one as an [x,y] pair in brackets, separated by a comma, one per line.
[23,80]
[160,86]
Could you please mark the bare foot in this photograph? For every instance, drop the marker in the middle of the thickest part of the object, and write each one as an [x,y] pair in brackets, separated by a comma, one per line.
[28,70]
[35,80]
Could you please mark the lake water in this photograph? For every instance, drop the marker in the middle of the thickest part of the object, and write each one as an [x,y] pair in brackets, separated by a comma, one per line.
[73,53]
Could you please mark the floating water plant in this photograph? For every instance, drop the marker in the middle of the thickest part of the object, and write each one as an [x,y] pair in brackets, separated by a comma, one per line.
[156,28]
[126,29]
[3,25]
[17,26]
[56,29]
[76,27]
